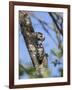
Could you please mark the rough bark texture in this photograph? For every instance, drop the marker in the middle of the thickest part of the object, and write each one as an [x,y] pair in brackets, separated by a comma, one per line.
[34,44]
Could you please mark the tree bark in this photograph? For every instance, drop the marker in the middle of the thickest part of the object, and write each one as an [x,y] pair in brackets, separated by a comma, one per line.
[34,44]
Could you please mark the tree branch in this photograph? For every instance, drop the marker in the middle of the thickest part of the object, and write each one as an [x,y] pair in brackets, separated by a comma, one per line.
[61,32]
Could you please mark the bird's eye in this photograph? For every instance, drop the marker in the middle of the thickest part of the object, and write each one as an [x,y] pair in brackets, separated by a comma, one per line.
[41,36]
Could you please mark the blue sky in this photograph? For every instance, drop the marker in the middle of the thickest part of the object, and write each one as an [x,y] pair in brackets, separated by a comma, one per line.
[48,42]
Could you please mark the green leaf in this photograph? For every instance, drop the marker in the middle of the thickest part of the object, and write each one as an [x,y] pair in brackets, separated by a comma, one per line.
[57,53]
[21,70]
[31,70]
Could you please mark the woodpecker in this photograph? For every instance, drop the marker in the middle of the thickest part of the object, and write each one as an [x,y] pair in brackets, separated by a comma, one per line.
[38,38]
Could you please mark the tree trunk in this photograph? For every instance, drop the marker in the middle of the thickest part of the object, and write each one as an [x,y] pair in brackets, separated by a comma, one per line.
[34,44]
